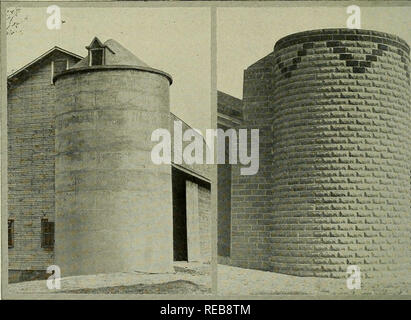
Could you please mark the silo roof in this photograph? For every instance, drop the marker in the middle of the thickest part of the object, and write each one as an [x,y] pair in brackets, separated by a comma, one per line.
[115,55]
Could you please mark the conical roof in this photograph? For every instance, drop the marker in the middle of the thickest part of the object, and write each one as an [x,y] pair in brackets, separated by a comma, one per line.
[115,55]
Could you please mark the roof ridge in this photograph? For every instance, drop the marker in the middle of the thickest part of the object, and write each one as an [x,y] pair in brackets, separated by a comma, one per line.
[45,54]
[116,55]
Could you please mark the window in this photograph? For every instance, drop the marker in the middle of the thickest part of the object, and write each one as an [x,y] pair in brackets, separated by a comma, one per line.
[47,234]
[96,57]
[96,53]
[10,228]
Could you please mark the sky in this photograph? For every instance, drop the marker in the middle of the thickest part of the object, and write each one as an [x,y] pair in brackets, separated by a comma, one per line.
[245,35]
[175,40]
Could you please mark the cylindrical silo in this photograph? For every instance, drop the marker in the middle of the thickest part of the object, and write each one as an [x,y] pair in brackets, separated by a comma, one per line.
[333,186]
[113,205]
[341,154]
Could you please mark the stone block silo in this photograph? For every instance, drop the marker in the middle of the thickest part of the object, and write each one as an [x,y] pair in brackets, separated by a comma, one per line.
[113,205]
[333,189]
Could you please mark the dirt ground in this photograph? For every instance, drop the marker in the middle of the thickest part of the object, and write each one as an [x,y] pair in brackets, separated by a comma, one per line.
[195,279]
[189,278]
[234,281]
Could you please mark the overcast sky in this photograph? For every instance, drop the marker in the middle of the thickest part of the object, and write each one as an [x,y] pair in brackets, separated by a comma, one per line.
[175,40]
[245,35]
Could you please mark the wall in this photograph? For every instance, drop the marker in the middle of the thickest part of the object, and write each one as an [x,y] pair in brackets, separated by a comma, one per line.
[191,198]
[339,110]
[113,205]
[224,207]
[229,114]
[31,130]
[204,170]
[341,154]
[251,207]
[205,216]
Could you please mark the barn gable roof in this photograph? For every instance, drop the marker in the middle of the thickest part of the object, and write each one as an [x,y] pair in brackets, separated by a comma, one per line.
[40,58]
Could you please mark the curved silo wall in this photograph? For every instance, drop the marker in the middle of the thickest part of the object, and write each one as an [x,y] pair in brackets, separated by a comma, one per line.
[340,155]
[113,205]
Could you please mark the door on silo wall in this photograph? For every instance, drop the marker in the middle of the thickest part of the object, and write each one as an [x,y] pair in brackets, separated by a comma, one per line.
[179,216]
[193,222]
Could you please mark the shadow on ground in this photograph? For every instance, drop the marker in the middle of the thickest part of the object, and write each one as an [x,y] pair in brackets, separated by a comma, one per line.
[171,287]
[234,280]
[189,278]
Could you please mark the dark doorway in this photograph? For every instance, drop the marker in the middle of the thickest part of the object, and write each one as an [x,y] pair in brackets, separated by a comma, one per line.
[224,209]
[179,216]
[224,204]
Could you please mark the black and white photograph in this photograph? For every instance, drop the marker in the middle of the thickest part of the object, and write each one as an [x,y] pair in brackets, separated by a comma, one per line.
[87,88]
[205,157]
[328,212]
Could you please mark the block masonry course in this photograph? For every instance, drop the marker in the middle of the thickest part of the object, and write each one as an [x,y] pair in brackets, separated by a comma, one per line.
[333,188]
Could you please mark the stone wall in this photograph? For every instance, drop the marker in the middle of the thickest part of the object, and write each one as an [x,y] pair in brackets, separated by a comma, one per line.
[338,165]
[251,196]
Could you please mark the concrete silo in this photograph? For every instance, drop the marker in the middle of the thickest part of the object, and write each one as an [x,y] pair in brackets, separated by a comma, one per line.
[334,183]
[113,205]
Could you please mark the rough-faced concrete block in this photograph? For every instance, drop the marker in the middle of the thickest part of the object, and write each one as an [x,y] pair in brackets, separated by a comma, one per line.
[340,129]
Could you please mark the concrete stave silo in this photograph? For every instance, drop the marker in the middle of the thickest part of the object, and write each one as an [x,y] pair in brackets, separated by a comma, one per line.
[113,204]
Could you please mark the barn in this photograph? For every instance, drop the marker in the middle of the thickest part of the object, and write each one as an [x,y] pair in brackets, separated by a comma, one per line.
[83,192]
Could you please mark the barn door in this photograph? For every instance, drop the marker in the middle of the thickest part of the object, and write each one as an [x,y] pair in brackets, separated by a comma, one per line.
[193,222]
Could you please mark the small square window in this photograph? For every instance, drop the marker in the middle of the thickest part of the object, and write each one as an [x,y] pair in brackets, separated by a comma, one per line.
[47,234]
[10,229]
[96,57]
